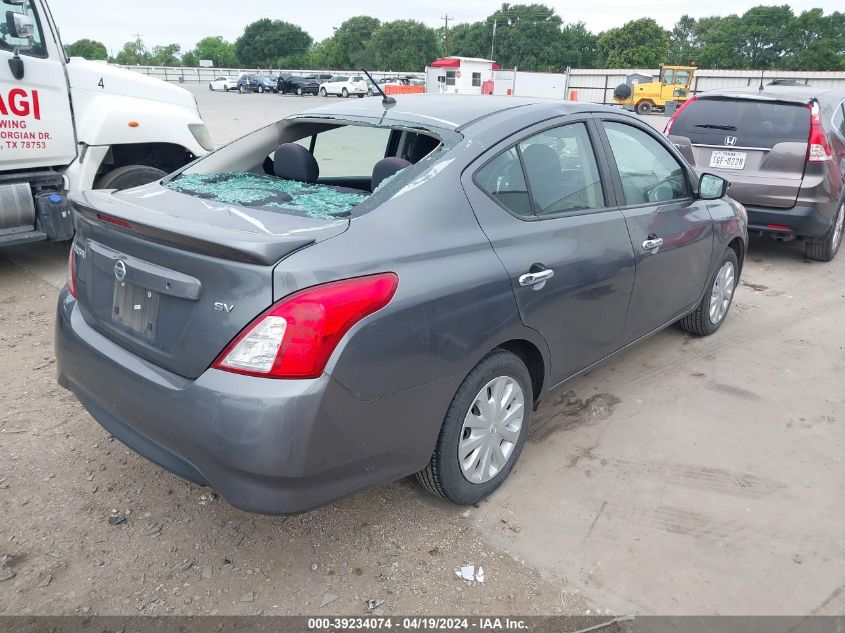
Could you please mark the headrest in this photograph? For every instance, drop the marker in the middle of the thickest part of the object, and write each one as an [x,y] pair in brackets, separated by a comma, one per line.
[294,162]
[386,168]
[541,159]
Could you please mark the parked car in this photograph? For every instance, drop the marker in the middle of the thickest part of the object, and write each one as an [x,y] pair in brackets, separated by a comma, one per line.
[223,83]
[343,86]
[291,323]
[255,83]
[291,84]
[782,148]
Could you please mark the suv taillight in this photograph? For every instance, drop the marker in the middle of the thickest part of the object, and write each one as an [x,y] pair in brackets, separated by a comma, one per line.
[296,336]
[71,271]
[819,149]
[668,127]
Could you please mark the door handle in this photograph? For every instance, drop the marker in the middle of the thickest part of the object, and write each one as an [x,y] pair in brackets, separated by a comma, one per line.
[653,242]
[531,279]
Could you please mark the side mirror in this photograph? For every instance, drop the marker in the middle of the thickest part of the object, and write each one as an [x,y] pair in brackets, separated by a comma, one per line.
[15,2]
[712,187]
[19,25]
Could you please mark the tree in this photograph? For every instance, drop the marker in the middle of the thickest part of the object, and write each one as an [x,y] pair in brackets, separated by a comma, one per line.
[89,49]
[720,42]
[817,41]
[683,43]
[266,40]
[579,47]
[133,53]
[528,36]
[470,40]
[326,55]
[639,44]
[764,33]
[218,50]
[167,55]
[403,45]
[353,39]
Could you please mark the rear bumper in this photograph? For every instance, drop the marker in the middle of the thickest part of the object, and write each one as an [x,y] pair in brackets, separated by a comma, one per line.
[804,221]
[269,446]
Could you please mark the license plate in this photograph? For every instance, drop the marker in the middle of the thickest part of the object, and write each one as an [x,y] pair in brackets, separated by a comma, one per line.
[136,309]
[728,160]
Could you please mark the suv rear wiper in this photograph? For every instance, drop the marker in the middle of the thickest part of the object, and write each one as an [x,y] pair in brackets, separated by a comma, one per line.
[714,126]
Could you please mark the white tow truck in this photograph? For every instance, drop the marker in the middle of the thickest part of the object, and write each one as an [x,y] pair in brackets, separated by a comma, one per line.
[67,124]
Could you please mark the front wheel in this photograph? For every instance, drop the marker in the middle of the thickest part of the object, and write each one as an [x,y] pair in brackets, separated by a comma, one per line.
[345,93]
[299,92]
[709,315]
[323,92]
[260,89]
[483,432]
[242,89]
[210,87]
[825,250]
[129,176]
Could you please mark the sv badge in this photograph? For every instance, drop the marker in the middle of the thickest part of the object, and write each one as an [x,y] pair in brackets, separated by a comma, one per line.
[219,306]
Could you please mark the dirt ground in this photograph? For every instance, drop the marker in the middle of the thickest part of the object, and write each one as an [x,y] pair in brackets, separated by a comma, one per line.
[685,476]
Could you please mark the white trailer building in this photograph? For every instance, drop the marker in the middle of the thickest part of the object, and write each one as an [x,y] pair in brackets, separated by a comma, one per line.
[459,75]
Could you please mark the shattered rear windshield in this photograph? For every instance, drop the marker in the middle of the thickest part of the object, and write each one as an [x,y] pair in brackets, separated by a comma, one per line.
[270,192]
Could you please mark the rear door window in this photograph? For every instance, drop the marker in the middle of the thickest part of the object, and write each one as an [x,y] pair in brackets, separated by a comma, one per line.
[502,179]
[748,122]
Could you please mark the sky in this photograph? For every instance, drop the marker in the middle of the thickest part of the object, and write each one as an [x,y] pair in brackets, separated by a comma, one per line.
[115,22]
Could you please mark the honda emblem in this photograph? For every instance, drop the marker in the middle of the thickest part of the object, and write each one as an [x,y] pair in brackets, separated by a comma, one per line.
[730,140]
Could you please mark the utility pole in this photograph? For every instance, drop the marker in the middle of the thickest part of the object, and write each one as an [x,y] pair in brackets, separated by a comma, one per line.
[446,19]
[493,41]
[139,47]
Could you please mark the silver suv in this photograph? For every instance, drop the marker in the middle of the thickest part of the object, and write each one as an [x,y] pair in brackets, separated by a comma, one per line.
[782,149]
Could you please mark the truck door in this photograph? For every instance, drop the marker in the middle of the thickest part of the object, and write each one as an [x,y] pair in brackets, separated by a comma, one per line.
[36,124]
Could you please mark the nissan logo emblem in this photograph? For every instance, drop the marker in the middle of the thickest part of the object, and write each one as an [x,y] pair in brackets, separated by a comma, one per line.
[120,270]
[730,140]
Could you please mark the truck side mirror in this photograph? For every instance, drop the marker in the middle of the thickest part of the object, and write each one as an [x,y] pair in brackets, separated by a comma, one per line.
[19,26]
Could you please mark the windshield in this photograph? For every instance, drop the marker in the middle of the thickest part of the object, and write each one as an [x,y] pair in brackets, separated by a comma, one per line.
[754,123]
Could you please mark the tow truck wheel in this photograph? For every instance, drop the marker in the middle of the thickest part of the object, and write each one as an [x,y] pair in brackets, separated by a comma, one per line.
[644,107]
[129,176]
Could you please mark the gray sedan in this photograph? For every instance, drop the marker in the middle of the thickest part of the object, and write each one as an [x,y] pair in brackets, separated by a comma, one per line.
[372,290]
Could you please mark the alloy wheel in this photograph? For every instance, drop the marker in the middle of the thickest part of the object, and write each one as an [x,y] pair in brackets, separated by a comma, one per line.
[721,293]
[491,429]
[838,227]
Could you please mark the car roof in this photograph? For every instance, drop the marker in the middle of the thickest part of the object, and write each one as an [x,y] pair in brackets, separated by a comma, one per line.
[794,94]
[451,111]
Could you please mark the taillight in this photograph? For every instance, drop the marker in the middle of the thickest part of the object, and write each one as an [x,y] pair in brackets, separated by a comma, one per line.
[819,149]
[675,115]
[297,335]
[71,272]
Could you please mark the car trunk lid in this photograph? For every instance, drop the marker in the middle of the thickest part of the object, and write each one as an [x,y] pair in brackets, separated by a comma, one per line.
[758,144]
[173,277]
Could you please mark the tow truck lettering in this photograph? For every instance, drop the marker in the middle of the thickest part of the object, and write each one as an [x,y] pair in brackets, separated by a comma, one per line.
[19,102]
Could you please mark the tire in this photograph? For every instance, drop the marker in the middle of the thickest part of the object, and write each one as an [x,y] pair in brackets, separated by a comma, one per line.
[211,88]
[360,96]
[260,90]
[129,176]
[444,475]
[323,92]
[700,320]
[344,93]
[825,250]
[242,89]
[644,107]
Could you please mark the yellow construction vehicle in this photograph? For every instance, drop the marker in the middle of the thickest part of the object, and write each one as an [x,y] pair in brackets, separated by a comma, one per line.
[645,96]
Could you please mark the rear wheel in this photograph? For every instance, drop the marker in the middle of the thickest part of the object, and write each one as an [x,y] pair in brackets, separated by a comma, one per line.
[260,89]
[711,312]
[644,107]
[825,250]
[129,176]
[483,432]
[323,92]
[361,96]
[210,87]
[345,93]
[242,89]
[299,91]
